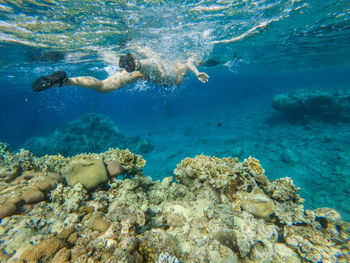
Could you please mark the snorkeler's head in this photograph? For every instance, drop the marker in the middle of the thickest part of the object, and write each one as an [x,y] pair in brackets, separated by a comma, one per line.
[129,62]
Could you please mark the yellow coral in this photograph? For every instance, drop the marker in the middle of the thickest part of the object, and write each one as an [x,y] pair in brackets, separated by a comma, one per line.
[254,164]
[205,168]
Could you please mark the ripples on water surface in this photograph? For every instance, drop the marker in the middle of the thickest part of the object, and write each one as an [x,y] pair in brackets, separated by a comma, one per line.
[280,34]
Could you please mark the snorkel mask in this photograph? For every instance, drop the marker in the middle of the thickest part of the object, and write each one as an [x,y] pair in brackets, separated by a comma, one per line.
[129,62]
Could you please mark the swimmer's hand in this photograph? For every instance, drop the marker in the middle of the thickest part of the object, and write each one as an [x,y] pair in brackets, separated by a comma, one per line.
[202,77]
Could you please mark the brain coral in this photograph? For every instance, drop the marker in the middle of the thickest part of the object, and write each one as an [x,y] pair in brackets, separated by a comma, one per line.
[89,173]
[47,248]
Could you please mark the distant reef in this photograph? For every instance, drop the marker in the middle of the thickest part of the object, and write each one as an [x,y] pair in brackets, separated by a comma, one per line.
[305,105]
[60,209]
[93,133]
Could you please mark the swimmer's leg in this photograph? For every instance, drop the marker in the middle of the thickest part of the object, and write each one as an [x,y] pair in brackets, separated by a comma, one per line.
[114,82]
[85,82]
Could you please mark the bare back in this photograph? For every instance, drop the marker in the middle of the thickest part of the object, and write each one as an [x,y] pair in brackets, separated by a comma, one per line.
[159,72]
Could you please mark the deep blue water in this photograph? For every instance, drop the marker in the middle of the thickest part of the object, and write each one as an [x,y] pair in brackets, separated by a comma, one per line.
[25,114]
[284,46]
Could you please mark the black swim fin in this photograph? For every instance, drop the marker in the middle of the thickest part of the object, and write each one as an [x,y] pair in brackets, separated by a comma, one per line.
[46,82]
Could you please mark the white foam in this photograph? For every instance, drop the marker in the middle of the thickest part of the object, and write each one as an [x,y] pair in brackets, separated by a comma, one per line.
[111,69]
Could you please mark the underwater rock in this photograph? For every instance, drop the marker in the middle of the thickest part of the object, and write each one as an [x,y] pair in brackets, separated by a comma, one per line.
[303,105]
[311,244]
[249,231]
[71,198]
[89,173]
[155,242]
[124,211]
[176,220]
[25,189]
[283,190]
[289,157]
[49,184]
[327,216]
[114,168]
[283,253]
[92,133]
[166,258]
[219,210]
[257,203]
[32,195]
[7,209]
[290,213]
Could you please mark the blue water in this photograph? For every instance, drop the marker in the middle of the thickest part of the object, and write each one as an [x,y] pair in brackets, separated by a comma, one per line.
[263,48]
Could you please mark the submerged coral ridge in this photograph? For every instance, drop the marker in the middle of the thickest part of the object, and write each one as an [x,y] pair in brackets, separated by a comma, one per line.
[303,105]
[24,160]
[93,133]
[219,210]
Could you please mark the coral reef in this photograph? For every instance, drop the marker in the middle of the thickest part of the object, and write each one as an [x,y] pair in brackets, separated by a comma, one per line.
[26,179]
[14,163]
[330,106]
[93,133]
[219,210]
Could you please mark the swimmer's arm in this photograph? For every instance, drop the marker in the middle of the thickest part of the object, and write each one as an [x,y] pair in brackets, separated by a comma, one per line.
[202,77]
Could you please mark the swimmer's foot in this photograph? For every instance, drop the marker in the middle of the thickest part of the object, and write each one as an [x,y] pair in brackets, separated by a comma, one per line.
[46,82]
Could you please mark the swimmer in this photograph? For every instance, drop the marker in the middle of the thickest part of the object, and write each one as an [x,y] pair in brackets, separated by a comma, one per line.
[153,69]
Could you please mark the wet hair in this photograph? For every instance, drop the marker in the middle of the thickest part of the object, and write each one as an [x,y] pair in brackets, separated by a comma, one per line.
[128,62]
[210,63]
